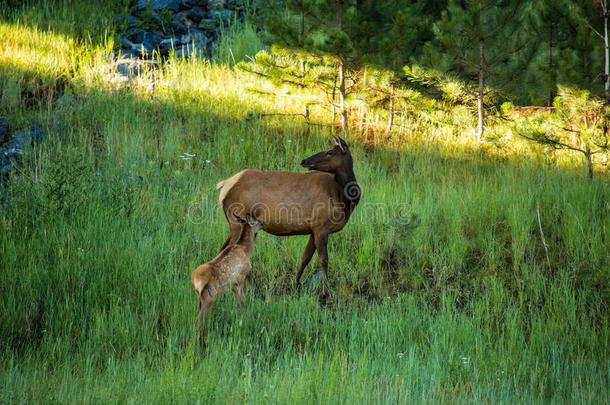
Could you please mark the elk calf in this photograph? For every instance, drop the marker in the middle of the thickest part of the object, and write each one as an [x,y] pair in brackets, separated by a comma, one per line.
[229,269]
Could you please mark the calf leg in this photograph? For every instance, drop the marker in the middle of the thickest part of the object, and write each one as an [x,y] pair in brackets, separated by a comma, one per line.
[202,310]
[238,296]
[307,255]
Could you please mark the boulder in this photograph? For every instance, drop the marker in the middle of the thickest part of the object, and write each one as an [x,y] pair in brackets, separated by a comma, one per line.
[222,15]
[188,4]
[181,22]
[11,151]
[196,35]
[159,4]
[195,49]
[196,14]
[208,25]
[150,40]
[66,99]
[168,44]
[129,67]
[217,4]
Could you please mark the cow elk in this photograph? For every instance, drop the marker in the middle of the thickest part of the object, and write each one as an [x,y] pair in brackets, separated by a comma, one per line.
[316,204]
[229,269]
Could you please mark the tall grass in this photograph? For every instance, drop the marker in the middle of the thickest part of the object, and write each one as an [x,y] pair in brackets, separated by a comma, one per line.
[441,288]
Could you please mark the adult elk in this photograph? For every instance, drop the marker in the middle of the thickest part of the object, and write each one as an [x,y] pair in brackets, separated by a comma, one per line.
[287,203]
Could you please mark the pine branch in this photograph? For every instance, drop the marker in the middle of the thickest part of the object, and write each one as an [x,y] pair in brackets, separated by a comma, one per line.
[266,76]
[505,22]
[594,30]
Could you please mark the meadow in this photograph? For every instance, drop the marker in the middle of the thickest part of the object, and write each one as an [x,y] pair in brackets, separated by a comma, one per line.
[441,288]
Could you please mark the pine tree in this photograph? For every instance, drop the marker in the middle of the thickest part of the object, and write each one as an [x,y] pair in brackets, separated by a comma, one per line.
[320,29]
[546,24]
[594,14]
[391,33]
[478,41]
[581,58]
[578,125]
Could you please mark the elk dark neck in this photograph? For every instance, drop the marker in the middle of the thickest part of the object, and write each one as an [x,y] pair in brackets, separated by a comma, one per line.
[350,190]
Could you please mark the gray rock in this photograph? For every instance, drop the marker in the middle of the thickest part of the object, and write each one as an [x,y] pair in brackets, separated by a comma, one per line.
[130,19]
[169,43]
[159,4]
[209,25]
[181,22]
[196,14]
[188,4]
[217,4]
[3,129]
[222,15]
[66,99]
[129,67]
[191,50]
[11,151]
[150,40]
[126,44]
[198,35]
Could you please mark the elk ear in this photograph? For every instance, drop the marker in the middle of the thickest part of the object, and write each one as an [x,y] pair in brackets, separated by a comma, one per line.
[340,143]
[239,219]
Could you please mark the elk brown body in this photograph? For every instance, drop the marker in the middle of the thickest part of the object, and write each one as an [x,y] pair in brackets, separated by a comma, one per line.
[318,203]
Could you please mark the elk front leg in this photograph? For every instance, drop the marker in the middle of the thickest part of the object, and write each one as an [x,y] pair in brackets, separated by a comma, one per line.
[307,255]
[321,240]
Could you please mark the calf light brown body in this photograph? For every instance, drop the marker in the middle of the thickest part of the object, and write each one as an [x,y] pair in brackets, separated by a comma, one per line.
[229,269]
[288,203]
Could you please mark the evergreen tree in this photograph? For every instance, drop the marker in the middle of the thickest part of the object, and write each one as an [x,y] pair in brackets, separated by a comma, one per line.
[581,58]
[546,25]
[594,14]
[320,28]
[478,40]
[578,125]
[391,33]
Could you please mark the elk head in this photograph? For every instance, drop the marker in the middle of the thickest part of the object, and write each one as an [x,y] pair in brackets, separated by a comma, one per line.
[337,159]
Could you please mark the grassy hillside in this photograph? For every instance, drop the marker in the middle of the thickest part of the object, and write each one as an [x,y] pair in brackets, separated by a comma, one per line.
[441,289]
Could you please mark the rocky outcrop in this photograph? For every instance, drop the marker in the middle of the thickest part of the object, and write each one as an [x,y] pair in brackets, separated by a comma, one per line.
[185,27]
[12,150]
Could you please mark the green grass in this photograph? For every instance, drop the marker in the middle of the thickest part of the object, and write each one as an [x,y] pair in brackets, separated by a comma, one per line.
[96,304]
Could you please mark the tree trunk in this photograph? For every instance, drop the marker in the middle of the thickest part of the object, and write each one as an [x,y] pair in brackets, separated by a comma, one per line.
[551,70]
[362,109]
[342,75]
[481,113]
[606,56]
[589,162]
[391,112]
[342,97]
